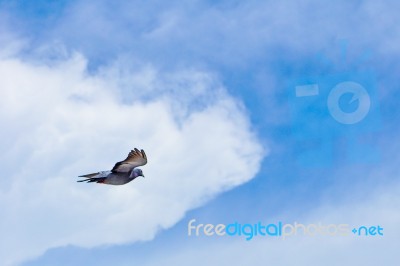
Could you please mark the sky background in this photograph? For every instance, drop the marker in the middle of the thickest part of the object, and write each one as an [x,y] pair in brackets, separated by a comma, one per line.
[207,89]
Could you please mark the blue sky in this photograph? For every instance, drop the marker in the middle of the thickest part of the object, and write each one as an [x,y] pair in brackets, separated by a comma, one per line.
[214,79]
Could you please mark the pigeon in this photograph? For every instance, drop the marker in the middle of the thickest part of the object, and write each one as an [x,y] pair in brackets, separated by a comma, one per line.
[123,172]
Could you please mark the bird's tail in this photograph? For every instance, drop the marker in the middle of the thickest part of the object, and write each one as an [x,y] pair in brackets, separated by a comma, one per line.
[93,179]
[89,175]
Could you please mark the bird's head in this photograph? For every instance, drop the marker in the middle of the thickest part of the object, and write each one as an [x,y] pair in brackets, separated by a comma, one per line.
[138,172]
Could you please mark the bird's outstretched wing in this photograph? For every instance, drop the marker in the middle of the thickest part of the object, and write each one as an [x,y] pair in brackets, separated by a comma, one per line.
[135,158]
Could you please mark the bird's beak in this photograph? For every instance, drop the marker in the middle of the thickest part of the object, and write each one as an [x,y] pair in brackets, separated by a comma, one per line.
[143,176]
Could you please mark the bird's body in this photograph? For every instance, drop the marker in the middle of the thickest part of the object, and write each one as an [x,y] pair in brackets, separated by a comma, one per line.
[118,179]
[123,172]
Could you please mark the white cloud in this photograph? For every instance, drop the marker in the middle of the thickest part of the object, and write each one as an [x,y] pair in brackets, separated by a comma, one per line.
[59,122]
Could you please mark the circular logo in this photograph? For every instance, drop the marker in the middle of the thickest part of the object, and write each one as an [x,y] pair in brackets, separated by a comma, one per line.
[359,94]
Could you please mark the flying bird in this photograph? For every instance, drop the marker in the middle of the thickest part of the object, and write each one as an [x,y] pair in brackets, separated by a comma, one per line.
[123,172]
